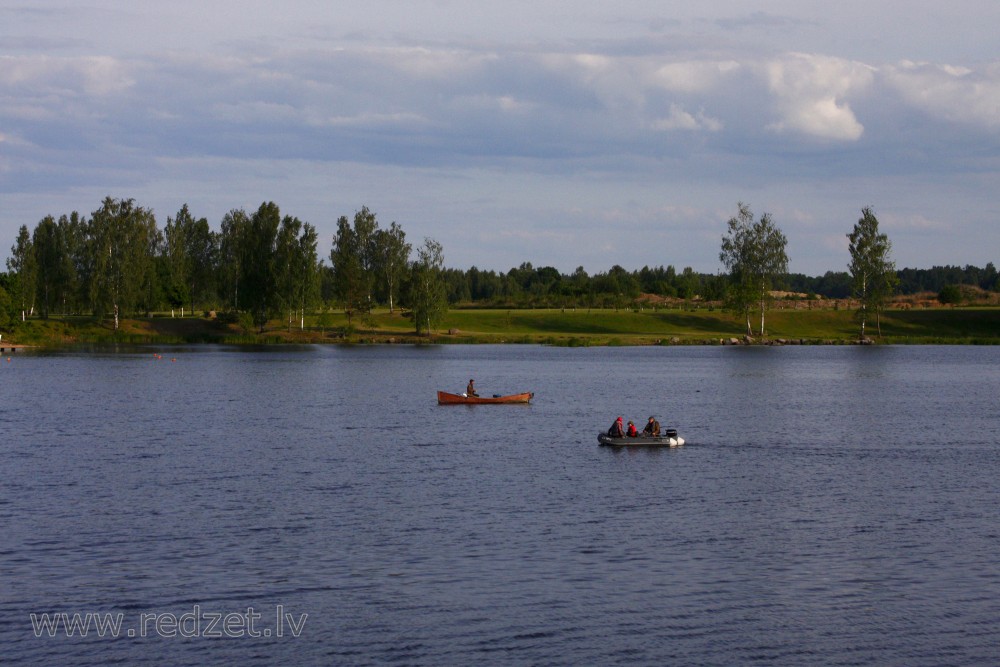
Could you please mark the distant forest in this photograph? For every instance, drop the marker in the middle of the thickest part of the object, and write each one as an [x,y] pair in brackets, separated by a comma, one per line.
[545,286]
[260,263]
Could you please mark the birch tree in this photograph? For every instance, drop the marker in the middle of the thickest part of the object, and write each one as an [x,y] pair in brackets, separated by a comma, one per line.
[287,262]
[232,244]
[22,264]
[428,293]
[307,272]
[298,268]
[392,254]
[345,259]
[754,254]
[50,262]
[365,230]
[873,273]
[122,242]
[258,269]
[192,249]
[77,262]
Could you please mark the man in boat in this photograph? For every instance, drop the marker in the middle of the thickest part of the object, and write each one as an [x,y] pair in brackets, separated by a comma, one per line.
[471,389]
[631,432]
[652,429]
[617,430]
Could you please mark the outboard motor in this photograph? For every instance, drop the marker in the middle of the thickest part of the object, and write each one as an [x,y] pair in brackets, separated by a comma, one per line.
[670,433]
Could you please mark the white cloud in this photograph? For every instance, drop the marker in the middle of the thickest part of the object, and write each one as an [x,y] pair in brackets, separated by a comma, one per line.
[693,76]
[957,94]
[375,120]
[914,221]
[256,112]
[811,92]
[679,119]
[440,64]
[94,75]
[509,104]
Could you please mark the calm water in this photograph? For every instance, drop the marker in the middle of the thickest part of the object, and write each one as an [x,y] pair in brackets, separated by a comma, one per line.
[834,505]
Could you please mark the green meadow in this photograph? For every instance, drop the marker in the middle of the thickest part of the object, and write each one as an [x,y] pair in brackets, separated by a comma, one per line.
[566,327]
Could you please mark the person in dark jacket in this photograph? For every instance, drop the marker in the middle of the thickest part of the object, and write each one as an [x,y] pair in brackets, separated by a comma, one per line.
[652,429]
[471,389]
[617,430]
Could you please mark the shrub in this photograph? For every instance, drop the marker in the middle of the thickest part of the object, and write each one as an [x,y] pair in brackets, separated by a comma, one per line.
[950,294]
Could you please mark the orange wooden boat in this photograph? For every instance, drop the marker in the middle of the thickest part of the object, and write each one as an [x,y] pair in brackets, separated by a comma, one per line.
[444,398]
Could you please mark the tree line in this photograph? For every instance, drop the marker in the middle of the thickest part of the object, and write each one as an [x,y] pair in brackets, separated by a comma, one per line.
[546,287]
[260,265]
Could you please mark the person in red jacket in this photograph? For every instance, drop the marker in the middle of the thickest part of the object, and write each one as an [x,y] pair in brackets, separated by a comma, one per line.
[631,429]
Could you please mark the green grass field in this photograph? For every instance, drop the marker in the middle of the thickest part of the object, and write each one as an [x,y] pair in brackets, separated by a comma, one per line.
[555,327]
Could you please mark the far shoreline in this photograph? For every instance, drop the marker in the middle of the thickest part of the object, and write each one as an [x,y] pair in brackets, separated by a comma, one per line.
[553,327]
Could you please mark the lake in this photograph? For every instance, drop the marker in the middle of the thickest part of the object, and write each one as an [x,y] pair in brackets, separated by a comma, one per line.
[314,505]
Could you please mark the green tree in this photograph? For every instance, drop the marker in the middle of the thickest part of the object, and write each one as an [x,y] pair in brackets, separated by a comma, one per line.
[428,297]
[50,260]
[298,268]
[201,248]
[348,280]
[950,295]
[307,272]
[232,245]
[192,249]
[365,229]
[688,284]
[76,259]
[22,264]
[123,242]
[176,257]
[258,267]
[873,274]
[392,253]
[6,306]
[754,254]
[151,296]
[286,261]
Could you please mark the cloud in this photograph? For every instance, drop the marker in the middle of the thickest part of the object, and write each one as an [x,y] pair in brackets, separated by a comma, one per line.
[953,94]
[535,128]
[759,20]
[810,94]
[696,76]
[913,221]
[444,105]
[679,119]
[91,76]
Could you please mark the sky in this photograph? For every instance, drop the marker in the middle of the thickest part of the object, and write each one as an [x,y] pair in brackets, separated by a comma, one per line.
[585,133]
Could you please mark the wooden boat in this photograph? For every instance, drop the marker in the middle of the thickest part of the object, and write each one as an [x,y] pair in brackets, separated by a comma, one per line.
[444,398]
[668,439]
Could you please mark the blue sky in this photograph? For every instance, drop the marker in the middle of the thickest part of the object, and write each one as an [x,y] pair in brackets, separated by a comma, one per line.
[558,133]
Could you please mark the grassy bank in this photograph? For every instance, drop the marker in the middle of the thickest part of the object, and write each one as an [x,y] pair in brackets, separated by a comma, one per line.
[580,327]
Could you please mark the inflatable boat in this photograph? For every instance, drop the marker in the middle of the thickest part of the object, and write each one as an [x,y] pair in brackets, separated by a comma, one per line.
[668,439]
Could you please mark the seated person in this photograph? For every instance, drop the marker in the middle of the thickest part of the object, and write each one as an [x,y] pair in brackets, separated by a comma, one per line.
[616,430]
[652,429]
[632,432]
[471,389]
